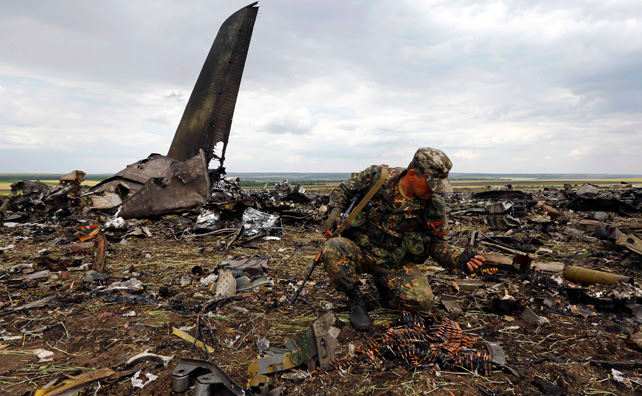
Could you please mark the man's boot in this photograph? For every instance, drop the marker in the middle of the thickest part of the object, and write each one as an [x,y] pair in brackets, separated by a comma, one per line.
[359,318]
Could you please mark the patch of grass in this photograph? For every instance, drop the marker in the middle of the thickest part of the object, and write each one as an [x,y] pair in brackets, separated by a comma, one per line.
[16,353]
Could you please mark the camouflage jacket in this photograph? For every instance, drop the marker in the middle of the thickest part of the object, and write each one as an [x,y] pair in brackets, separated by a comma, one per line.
[393,236]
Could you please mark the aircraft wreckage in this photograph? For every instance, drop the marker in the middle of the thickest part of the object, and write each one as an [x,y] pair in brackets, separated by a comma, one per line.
[161,184]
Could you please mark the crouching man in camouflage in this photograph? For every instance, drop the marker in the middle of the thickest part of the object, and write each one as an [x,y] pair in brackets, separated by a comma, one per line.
[403,224]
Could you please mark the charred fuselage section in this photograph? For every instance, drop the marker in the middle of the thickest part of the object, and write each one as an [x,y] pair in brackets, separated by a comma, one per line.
[181,180]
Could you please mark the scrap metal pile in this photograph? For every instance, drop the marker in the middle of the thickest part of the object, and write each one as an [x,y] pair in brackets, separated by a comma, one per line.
[557,284]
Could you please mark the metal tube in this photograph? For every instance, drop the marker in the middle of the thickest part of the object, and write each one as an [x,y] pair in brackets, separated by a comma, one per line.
[588,277]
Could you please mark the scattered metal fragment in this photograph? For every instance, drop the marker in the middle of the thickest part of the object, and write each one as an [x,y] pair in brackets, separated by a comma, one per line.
[451,303]
[99,259]
[94,276]
[496,353]
[225,284]
[257,221]
[630,242]
[132,285]
[208,221]
[582,310]
[206,377]
[253,266]
[469,285]
[588,189]
[34,304]
[531,317]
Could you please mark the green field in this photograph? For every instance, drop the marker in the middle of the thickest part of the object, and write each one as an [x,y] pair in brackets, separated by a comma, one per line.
[5,185]
[324,185]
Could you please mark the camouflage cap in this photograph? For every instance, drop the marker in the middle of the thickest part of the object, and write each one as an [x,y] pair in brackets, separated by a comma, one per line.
[434,165]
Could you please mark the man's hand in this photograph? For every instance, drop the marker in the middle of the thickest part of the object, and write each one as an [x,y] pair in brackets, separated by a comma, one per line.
[475,263]
[333,221]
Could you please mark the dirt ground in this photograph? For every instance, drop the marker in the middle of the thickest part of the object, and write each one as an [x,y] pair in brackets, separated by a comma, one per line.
[87,330]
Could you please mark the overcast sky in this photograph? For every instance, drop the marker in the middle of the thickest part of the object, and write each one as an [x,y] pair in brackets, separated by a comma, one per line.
[329,86]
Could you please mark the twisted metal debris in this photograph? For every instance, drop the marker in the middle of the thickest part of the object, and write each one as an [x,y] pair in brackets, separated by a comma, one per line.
[418,342]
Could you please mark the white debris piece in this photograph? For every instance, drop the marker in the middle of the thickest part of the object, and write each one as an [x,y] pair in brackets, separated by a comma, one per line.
[129,314]
[131,284]
[138,383]
[43,354]
[115,222]
[11,338]
[209,280]
[619,376]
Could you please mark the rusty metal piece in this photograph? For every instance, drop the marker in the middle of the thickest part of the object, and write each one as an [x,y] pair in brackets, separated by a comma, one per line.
[496,353]
[207,119]
[630,242]
[184,186]
[99,260]
[588,277]
[451,303]
[327,346]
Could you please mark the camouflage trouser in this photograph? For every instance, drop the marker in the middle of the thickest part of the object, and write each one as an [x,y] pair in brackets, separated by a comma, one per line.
[408,288]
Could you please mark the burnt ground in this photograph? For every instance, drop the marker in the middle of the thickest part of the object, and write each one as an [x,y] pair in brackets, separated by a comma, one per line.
[87,330]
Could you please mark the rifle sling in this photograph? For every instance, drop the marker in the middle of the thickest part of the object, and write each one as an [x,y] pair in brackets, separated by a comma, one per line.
[363,202]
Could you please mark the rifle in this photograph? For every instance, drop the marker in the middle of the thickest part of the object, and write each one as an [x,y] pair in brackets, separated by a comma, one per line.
[328,234]
[347,218]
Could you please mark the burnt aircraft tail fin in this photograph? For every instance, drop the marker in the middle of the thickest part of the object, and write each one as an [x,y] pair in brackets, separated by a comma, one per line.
[207,119]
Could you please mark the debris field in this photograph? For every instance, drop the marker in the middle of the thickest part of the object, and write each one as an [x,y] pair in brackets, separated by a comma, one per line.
[106,305]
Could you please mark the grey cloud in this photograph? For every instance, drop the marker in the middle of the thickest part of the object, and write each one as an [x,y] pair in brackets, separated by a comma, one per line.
[408,72]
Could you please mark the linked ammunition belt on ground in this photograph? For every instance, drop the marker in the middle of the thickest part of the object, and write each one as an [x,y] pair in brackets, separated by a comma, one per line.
[413,343]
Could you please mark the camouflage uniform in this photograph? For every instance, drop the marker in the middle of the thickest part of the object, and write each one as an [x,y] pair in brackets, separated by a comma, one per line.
[387,238]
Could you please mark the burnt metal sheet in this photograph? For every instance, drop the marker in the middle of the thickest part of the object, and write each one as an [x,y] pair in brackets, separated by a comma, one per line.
[504,195]
[185,185]
[601,204]
[208,116]
[134,176]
